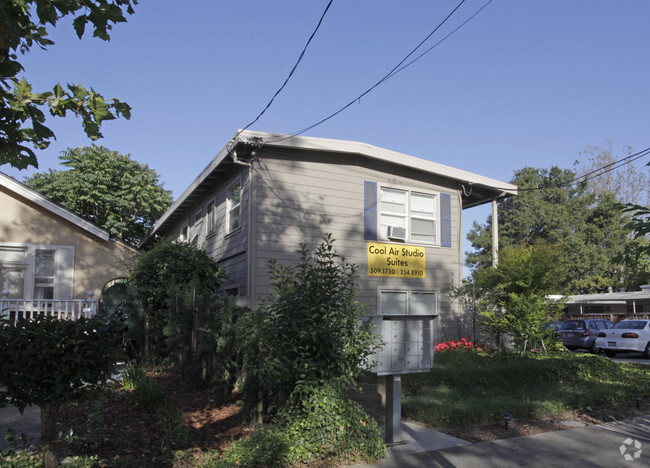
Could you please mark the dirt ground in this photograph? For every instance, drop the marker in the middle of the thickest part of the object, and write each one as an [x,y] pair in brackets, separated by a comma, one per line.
[128,435]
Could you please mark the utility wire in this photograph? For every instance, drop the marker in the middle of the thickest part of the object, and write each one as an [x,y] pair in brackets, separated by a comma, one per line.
[396,69]
[302,54]
[440,41]
[591,175]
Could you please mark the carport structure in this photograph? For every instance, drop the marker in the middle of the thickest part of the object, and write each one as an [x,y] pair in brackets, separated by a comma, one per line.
[615,306]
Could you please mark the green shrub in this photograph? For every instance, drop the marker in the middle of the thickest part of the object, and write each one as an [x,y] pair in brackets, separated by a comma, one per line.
[176,266]
[48,362]
[310,331]
[323,425]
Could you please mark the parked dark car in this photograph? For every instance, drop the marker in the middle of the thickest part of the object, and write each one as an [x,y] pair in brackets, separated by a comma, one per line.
[582,333]
[552,327]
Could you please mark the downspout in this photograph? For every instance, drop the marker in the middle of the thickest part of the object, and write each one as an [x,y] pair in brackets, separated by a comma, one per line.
[495,234]
[251,244]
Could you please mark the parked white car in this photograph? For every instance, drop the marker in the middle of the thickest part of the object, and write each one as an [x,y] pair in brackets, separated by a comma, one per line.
[626,337]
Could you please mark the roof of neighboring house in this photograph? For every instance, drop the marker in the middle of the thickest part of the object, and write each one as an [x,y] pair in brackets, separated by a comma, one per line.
[608,298]
[478,190]
[55,208]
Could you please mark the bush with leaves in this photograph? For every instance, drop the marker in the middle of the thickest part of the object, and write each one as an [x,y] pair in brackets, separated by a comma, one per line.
[204,339]
[179,266]
[311,330]
[48,362]
[512,297]
[307,345]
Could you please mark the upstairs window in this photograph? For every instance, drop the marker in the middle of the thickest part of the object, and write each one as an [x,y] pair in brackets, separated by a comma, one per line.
[409,213]
[234,207]
[211,217]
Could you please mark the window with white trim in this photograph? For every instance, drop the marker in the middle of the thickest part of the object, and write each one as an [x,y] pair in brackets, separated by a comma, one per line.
[44,273]
[234,207]
[415,212]
[33,271]
[211,217]
[393,302]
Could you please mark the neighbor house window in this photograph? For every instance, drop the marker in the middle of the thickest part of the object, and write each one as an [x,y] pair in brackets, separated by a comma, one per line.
[44,272]
[32,271]
[211,217]
[234,207]
[13,265]
[408,303]
[412,214]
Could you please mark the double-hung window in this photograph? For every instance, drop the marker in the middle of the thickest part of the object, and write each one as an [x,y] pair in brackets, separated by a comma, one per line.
[44,272]
[414,212]
[33,271]
[211,217]
[234,207]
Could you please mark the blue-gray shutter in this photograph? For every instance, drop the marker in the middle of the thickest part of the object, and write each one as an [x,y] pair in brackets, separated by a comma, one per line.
[445,219]
[370,210]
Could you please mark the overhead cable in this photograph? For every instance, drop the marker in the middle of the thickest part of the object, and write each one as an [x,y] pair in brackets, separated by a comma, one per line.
[397,68]
[591,175]
[302,54]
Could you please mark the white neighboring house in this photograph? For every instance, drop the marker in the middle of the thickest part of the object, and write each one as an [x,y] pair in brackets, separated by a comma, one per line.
[51,259]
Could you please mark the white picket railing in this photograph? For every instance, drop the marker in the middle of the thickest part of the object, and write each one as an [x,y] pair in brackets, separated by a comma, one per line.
[72,309]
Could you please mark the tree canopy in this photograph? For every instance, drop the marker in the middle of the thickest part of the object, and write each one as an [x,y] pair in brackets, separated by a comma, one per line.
[513,296]
[589,229]
[24,24]
[109,189]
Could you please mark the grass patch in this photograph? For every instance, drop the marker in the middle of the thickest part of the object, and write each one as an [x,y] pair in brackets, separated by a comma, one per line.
[463,389]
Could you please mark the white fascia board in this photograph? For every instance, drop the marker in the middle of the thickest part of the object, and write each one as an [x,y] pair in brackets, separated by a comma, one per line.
[608,297]
[47,204]
[382,154]
[333,146]
[216,161]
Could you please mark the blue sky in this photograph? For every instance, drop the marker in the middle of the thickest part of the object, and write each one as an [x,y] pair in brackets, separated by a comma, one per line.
[524,83]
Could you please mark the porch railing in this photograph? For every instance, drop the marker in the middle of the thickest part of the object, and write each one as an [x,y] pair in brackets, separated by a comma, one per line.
[72,309]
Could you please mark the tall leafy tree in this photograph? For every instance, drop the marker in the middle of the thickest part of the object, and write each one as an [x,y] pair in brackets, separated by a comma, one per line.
[109,189]
[513,295]
[551,207]
[23,25]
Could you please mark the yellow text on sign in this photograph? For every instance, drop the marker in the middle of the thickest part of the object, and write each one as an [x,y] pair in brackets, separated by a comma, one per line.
[397,261]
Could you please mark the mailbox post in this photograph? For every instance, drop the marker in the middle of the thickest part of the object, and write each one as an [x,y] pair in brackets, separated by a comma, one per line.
[409,347]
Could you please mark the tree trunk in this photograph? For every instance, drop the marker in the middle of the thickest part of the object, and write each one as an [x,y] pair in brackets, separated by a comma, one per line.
[49,412]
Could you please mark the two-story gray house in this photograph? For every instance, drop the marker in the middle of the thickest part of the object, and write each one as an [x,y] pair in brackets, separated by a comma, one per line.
[397,217]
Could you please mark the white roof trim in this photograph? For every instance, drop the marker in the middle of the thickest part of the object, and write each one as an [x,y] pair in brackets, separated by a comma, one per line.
[47,204]
[608,297]
[382,154]
[335,146]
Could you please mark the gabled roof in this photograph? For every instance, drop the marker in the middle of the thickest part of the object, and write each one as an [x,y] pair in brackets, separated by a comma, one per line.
[56,209]
[478,189]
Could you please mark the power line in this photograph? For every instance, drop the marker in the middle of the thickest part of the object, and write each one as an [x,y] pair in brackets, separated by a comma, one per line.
[593,174]
[396,69]
[302,54]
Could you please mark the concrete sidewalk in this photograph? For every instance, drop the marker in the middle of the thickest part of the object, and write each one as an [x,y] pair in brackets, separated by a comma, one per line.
[623,443]
[28,423]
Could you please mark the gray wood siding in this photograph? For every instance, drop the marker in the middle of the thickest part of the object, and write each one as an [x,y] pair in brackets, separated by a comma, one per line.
[229,248]
[298,199]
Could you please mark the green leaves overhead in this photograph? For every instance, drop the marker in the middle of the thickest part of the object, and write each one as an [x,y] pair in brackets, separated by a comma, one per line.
[23,24]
